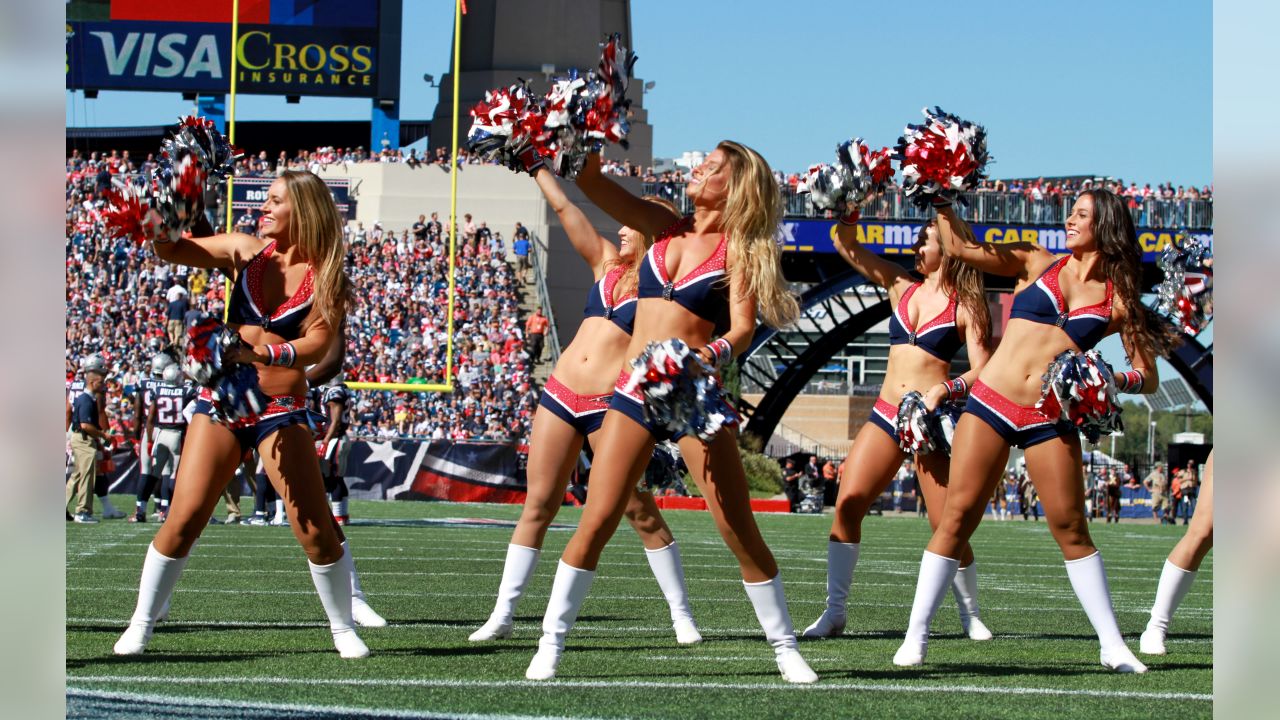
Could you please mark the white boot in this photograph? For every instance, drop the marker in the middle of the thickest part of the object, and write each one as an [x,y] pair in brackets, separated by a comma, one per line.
[333,584]
[567,595]
[159,576]
[281,517]
[364,615]
[936,574]
[516,572]
[965,588]
[669,572]
[771,610]
[1174,584]
[1089,580]
[841,559]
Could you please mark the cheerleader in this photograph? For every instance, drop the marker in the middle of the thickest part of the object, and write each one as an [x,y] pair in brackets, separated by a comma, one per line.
[1062,304]
[937,310]
[290,294]
[704,281]
[571,409]
[1180,568]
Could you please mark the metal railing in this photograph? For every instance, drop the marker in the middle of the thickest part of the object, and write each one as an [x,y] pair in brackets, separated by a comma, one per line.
[538,260]
[999,207]
[788,441]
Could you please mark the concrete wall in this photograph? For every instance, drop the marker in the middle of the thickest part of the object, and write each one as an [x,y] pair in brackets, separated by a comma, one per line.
[395,195]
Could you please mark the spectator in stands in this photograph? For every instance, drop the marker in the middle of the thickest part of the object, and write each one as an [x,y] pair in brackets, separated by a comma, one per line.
[535,333]
[179,303]
[521,249]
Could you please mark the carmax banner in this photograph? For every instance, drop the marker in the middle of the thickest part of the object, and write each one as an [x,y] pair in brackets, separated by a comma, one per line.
[891,238]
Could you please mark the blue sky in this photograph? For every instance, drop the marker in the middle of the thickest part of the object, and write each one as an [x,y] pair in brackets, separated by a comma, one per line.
[1121,89]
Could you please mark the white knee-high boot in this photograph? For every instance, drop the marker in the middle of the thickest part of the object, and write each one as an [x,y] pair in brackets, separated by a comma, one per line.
[516,572]
[965,588]
[1089,580]
[668,570]
[771,610]
[159,576]
[1173,586]
[936,574]
[364,615]
[842,558]
[567,595]
[333,585]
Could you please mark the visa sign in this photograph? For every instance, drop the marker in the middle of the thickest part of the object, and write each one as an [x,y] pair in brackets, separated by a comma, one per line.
[196,57]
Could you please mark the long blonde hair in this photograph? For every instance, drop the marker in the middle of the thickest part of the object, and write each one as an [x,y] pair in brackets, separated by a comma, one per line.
[315,228]
[631,278]
[750,221]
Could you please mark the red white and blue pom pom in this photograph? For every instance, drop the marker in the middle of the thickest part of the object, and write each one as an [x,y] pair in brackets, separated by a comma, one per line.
[579,114]
[941,158]
[197,136]
[921,430]
[857,177]
[681,391]
[1186,294]
[236,395]
[126,213]
[1079,388]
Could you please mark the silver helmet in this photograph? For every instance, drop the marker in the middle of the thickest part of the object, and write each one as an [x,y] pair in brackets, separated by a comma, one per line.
[172,374]
[159,362]
[93,363]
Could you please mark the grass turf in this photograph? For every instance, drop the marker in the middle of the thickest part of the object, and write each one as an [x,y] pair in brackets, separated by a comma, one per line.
[246,635]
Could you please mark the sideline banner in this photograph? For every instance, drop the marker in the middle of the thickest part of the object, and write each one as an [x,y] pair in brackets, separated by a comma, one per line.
[887,237]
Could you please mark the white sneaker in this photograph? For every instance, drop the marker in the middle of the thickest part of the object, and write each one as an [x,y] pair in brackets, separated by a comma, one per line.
[134,640]
[544,663]
[364,615]
[910,654]
[350,645]
[794,668]
[1122,660]
[85,518]
[686,632]
[827,625]
[279,521]
[1152,642]
[976,630]
[493,629]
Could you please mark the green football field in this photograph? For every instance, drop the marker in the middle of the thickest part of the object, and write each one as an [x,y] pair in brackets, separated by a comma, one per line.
[246,635]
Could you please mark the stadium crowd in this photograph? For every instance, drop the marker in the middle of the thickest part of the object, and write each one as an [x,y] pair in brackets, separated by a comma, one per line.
[125,306]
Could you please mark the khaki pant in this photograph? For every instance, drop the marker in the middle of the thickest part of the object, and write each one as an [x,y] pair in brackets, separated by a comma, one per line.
[84,453]
[177,333]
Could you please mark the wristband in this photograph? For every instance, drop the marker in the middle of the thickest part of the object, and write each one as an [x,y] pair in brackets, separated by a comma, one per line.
[1130,381]
[957,389]
[721,352]
[851,217]
[282,355]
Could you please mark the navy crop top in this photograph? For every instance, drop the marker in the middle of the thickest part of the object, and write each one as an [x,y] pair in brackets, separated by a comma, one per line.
[1043,303]
[701,292]
[602,303]
[939,337]
[246,304]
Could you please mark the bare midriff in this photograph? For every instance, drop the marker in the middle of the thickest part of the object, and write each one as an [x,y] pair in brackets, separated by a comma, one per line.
[590,364]
[1016,368]
[272,379]
[911,368]
[658,319]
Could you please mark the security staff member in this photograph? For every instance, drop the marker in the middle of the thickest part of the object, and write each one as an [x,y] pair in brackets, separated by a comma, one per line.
[86,438]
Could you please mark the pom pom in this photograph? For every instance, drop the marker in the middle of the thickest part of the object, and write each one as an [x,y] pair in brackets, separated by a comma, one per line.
[921,430]
[681,392]
[577,116]
[941,158]
[126,213]
[1185,296]
[197,137]
[1079,389]
[236,395]
[857,177]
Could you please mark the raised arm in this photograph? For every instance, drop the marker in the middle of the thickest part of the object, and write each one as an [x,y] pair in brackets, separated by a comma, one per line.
[593,248]
[1019,260]
[871,266]
[218,251]
[649,218]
